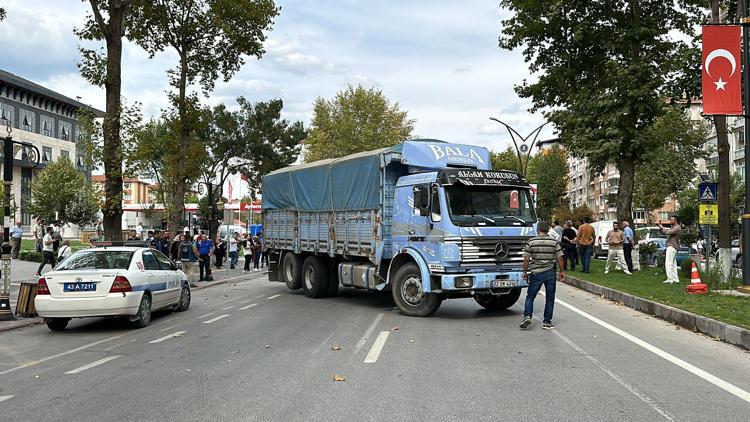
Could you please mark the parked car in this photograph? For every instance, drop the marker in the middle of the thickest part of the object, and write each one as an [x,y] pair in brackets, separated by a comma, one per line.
[645,234]
[229,229]
[601,229]
[682,254]
[111,280]
[736,257]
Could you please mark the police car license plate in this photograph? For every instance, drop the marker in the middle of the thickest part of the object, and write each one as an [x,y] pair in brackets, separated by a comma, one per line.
[503,283]
[79,287]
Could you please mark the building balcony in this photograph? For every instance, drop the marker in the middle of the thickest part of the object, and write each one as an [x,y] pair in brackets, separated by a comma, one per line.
[613,190]
[739,154]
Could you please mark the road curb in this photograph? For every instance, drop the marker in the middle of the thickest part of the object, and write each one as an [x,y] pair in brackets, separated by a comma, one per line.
[27,322]
[715,329]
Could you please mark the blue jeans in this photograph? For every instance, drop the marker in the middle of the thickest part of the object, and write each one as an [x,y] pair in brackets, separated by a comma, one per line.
[234,256]
[546,278]
[586,253]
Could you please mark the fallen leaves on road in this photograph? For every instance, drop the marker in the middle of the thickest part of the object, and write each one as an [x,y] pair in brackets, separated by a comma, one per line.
[335,348]
[396,328]
[339,378]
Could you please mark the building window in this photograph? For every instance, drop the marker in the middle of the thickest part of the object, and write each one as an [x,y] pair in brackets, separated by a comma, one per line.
[6,113]
[639,215]
[47,125]
[65,131]
[46,154]
[80,163]
[741,139]
[27,120]
[64,154]
[25,195]
[126,186]
[663,216]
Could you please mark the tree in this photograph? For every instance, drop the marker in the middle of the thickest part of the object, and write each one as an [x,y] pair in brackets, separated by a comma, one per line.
[673,143]
[576,215]
[211,39]
[505,160]
[602,70]
[688,200]
[549,170]
[2,14]
[84,209]
[356,120]
[110,21]
[57,188]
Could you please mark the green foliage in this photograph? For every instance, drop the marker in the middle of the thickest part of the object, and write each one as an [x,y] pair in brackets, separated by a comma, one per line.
[576,215]
[549,170]
[688,200]
[57,188]
[506,160]
[91,140]
[601,70]
[31,256]
[84,209]
[687,267]
[356,120]
[2,14]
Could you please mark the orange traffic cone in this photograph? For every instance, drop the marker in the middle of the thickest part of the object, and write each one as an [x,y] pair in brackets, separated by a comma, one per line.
[696,287]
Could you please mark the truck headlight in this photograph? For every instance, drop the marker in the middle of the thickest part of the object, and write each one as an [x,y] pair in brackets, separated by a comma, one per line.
[463,282]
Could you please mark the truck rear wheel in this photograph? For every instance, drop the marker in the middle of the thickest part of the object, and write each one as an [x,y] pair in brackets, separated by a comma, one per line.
[408,294]
[291,270]
[315,277]
[498,303]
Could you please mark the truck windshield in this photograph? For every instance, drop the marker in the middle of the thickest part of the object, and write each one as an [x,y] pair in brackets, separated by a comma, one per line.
[489,206]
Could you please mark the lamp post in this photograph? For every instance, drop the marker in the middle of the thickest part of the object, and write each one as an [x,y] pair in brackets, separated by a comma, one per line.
[31,155]
[522,148]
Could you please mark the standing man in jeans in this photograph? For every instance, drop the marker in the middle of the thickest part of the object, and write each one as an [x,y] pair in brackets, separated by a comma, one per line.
[586,243]
[627,247]
[540,256]
[673,245]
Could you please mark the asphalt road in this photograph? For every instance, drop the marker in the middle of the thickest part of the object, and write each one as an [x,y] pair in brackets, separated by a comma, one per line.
[252,350]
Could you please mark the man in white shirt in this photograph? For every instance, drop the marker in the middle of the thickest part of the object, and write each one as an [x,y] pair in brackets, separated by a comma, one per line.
[139,231]
[234,255]
[48,250]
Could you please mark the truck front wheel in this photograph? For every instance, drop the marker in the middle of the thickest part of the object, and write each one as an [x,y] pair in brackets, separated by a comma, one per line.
[498,303]
[315,277]
[291,270]
[408,294]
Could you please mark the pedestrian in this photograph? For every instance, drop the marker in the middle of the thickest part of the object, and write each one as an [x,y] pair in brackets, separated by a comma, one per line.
[233,250]
[627,246]
[164,243]
[133,235]
[568,244]
[48,252]
[205,250]
[540,255]
[586,243]
[64,250]
[16,233]
[99,230]
[257,247]
[673,245]
[188,255]
[39,232]
[56,236]
[635,255]
[264,254]
[247,247]
[220,251]
[139,231]
[575,244]
[553,233]
[615,239]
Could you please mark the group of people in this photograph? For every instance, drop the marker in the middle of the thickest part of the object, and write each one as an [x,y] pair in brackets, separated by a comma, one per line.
[49,242]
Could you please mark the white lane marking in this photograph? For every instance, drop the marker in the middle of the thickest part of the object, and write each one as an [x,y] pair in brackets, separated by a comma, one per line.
[248,306]
[643,397]
[369,331]
[274,296]
[246,300]
[3,398]
[224,301]
[92,364]
[377,347]
[207,315]
[169,328]
[227,308]
[215,319]
[173,335]
[728,387]
[77,349]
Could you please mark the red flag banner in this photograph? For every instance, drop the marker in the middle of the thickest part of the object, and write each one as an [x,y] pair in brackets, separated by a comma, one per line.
[721,81]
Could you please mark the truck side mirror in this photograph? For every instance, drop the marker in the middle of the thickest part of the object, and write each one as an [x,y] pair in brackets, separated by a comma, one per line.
[435,216]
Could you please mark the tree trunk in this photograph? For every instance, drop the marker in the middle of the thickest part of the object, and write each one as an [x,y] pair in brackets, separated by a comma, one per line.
[112,143]
[183,136]
[625,191]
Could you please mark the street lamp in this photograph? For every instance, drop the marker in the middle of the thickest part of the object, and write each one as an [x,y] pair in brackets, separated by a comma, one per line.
[523,148]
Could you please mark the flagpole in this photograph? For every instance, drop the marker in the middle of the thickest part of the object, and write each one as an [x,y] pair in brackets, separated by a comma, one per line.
[746,95]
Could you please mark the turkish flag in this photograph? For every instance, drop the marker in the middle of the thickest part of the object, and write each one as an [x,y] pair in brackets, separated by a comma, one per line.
[722,88]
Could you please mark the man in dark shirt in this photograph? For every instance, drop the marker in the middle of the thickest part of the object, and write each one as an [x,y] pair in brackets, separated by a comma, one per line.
[568,243]
[540,256]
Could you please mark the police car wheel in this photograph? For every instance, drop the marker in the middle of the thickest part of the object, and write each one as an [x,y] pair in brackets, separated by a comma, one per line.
[184,302]
[143,317]
[291,270]
[315,277]
[57,324]
[408,294]
[498,303]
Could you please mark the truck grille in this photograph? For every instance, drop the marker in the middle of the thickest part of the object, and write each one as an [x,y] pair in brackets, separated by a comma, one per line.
[482,250]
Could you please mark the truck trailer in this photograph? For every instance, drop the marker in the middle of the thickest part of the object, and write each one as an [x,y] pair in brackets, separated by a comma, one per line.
[424,219]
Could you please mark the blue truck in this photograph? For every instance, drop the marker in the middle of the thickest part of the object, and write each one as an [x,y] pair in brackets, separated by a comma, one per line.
[425,219]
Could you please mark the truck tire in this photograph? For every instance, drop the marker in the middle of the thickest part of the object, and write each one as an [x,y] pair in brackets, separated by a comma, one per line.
[333,280]
[498,303]
[315,277]
[408,294]
[291,270]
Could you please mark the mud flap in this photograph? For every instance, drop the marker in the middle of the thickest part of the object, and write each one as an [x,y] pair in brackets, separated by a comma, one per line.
[273,266]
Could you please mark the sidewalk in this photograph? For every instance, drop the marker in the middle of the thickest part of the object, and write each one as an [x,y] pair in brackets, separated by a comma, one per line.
[23,271]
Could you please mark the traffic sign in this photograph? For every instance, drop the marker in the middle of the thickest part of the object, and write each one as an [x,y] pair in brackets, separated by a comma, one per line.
[707,192]
[708,214]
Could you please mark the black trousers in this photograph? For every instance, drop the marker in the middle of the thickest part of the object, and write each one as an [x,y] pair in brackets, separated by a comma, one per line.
[205,266]
[48,257]
[569,256]
[627,248]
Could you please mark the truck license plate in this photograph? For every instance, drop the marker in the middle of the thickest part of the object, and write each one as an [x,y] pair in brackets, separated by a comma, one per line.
[503,283]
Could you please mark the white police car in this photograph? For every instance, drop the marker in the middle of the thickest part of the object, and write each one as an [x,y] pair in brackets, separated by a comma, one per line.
[111,279]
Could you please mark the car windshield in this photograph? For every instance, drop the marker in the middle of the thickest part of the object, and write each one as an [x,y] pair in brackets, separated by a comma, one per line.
[489,205]
[97,260]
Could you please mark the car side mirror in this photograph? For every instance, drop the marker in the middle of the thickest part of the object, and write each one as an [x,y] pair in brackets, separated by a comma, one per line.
[176,266]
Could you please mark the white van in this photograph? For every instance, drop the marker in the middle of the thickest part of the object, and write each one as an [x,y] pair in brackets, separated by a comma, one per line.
[601,229]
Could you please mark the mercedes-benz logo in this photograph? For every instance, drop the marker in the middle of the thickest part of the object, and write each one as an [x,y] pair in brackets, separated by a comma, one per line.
[79,279]
[501,251]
